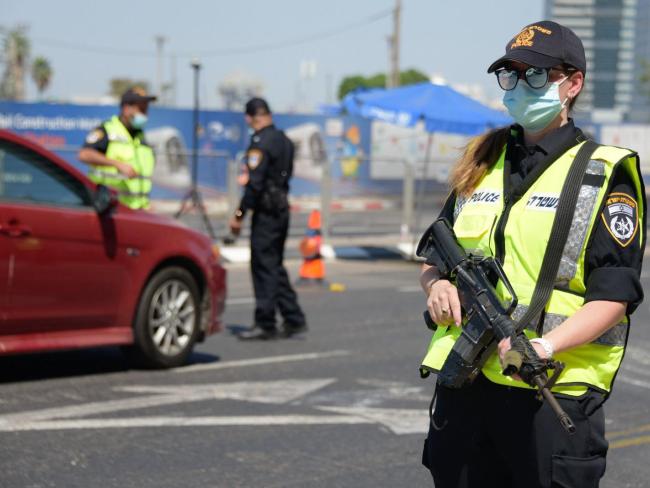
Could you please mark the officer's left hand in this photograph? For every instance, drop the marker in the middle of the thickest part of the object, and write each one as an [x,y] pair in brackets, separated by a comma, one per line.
[504,347]
[235,226]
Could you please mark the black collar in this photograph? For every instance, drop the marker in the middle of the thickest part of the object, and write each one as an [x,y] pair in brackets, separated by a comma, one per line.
[555,142]
[552,146]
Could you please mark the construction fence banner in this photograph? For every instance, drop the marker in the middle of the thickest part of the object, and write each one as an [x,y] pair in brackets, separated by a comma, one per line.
[342,142]
[364,157]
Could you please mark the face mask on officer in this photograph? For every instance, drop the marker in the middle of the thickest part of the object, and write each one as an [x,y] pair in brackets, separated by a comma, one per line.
[535,108]
[139,120]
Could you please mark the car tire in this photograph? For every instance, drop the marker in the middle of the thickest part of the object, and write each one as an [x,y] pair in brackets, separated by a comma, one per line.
[167,320]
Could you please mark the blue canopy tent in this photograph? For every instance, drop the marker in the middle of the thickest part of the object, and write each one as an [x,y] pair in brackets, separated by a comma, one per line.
[441,108]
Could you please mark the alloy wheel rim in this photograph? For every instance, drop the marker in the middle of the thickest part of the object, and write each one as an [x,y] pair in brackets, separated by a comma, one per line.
[172,317]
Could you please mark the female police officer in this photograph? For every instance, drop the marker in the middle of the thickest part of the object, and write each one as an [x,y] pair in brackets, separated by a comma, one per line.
[505,191]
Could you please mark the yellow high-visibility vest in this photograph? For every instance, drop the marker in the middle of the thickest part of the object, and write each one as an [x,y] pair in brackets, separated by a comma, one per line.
[526,235]
[133,192]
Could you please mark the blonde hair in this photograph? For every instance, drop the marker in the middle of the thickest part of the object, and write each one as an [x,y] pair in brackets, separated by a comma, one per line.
[480,154]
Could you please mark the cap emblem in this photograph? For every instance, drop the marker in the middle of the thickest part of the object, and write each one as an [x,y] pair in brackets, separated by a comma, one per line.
[525,37]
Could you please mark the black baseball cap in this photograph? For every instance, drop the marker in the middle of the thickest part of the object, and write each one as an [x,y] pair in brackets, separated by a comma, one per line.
[544,44]
[136,94]
[257,106]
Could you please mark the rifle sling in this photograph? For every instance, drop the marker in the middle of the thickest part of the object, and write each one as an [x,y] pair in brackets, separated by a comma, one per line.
[559,235]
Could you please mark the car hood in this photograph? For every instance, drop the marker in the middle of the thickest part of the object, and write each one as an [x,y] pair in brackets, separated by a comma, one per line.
[160,224]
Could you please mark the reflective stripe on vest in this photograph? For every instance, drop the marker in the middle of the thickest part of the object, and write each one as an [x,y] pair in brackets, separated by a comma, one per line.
[133,192]
[615,336]
[526,235]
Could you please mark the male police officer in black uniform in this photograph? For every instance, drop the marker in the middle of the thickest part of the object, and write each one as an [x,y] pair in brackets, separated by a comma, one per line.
[270,164]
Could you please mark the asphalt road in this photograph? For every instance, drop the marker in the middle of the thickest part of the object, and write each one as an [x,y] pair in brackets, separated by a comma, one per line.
[342,407]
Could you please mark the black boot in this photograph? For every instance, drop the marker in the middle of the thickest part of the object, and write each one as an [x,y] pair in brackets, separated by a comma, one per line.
[258,334]
[293,329]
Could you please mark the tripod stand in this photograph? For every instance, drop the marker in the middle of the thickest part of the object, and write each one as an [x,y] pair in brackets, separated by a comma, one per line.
[193,199]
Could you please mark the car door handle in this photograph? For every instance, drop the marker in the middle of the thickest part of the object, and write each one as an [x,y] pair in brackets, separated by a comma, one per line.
[15,230]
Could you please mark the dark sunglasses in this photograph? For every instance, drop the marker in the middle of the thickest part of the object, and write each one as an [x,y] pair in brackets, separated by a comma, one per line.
[535,77]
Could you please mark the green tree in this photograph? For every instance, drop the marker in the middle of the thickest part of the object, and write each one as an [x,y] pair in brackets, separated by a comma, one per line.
[350,83]
[15,51]
[411,77]
[41,74]
[117,86]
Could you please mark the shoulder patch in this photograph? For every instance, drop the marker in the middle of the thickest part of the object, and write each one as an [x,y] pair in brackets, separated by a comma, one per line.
[254,157]
[621,217]
[94,136]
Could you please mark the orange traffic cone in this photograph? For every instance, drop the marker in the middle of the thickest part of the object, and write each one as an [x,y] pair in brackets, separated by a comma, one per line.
[313,268]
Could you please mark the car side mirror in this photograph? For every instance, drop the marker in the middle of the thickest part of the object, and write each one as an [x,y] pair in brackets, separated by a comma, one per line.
[104,200]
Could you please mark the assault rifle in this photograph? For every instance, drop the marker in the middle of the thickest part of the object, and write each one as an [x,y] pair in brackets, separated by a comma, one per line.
[487,320]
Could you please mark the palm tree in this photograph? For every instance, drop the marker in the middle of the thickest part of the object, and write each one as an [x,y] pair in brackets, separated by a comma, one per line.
[41,74]
[16,49]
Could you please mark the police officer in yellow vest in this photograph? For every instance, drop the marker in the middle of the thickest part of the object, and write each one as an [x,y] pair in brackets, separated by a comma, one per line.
[505,191]
[117,152]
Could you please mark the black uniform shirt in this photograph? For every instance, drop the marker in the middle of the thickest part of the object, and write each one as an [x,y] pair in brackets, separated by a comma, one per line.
[270,161]
[98,138]
[613,256]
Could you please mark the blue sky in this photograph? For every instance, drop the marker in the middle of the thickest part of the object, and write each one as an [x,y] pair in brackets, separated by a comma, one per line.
[457,39]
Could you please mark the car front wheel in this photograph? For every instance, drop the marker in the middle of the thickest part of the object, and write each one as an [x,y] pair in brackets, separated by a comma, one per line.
[167,320]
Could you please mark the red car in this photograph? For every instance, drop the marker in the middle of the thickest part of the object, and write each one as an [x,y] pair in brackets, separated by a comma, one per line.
[78,269]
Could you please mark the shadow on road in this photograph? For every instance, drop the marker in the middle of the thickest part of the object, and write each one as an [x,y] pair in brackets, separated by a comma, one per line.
[82,362]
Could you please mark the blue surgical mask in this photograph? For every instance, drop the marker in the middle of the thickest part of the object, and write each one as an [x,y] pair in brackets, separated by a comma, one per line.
[139,120]
[534,109]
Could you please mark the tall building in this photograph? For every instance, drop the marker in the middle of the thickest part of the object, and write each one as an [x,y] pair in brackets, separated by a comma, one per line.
[616,36]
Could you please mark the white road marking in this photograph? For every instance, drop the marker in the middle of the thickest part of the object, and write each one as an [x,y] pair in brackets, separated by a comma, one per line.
[94,408]
[249,420]
[639,354]
[276,392]
[400,421]
[259,361]
[240,254]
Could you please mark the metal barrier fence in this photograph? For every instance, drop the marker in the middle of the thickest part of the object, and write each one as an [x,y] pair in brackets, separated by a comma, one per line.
[219,172]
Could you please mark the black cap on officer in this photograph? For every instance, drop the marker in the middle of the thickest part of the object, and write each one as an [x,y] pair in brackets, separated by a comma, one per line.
[544,44]
[257,106]
[136,94]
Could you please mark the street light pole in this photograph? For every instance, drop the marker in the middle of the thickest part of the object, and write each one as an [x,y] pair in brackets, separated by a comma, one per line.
[392,80]
[160,42]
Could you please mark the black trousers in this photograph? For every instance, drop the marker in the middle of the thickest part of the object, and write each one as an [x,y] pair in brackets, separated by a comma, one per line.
[273,290]
[487,435]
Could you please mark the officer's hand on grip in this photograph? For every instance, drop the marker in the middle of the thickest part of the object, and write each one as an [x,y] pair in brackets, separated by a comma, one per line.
[443,303]
[504,347]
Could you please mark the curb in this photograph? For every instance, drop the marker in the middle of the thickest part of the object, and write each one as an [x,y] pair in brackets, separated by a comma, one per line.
[355,205]
[242,254]
[219,206]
